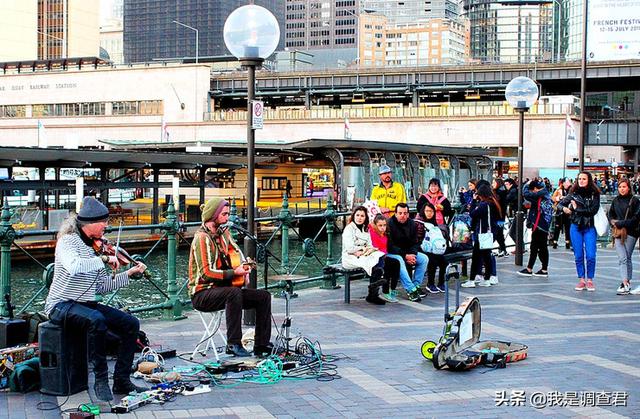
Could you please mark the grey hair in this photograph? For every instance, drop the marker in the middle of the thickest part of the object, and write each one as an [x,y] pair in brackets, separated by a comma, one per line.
[71,225]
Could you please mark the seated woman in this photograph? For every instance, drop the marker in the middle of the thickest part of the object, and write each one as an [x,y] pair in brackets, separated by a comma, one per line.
[358,252]
[378,231]
[428,216]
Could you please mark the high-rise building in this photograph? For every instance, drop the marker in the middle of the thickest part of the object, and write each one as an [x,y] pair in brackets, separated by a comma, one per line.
[410,11]
[150,32]
[68,28]
[315,25]
[420,43]
[510,33]
[48,29]
[111,33]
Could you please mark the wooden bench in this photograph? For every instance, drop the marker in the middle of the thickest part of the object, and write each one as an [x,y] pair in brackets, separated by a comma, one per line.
[335,270]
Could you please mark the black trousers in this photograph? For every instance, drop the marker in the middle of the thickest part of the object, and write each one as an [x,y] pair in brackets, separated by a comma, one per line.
[539,248]
[234,300]
[436,262]
[563,223]
[502,246]
[480,257]
[391,274]
[97,319]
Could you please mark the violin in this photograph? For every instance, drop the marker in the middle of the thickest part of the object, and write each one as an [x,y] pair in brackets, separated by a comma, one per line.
[103,246]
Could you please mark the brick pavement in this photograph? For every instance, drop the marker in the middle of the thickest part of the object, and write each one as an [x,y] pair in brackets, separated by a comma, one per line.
[581,342]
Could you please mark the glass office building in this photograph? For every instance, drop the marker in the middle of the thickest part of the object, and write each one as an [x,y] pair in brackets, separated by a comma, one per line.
[511,33]
[150,33]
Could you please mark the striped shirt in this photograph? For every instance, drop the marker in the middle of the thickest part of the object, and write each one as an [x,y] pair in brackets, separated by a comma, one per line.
[79,274]
[206,268]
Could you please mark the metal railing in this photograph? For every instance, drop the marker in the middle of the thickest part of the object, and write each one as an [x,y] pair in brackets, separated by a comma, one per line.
[284,225]
[446,111]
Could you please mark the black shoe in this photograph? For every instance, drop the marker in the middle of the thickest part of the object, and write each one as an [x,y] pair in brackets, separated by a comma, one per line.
[542,273]
[555,245]
[263,350]
[525,272]
[375,299]
[568,246]
[126,387]
[414,296]
[422,292]
[236,349]
[103,392]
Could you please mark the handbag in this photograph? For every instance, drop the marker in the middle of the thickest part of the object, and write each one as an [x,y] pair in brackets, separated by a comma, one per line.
[601,222]
[621,232]
[485,240]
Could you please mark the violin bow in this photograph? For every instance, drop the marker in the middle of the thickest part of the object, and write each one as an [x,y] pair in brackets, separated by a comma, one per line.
[118,243]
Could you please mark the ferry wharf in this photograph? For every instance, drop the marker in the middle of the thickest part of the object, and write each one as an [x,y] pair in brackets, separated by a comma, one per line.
[582,356]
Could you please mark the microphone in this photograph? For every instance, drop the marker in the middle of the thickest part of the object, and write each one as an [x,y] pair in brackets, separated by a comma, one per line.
[241,229]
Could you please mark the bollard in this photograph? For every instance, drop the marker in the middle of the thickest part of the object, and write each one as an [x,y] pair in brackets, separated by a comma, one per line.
[285,218]
[173,311]
[7,235]
[330,217]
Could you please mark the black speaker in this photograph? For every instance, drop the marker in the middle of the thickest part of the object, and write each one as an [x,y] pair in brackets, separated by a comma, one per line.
[13,332]
[63,360]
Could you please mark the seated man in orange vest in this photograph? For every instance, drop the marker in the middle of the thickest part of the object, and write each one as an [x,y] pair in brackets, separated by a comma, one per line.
[218,275]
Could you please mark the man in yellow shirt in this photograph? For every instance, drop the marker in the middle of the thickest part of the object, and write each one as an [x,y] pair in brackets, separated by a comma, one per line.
[388,193]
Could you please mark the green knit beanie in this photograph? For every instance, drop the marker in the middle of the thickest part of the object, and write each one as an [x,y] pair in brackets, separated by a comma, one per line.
[213,208]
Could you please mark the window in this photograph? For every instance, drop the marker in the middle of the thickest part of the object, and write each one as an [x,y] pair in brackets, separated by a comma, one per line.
[274,183]
[12,111]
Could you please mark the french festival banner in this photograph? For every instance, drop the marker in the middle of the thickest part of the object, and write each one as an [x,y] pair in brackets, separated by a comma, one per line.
[614,30]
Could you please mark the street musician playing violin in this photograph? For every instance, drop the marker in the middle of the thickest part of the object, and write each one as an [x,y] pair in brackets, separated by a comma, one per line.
[80,275]
[218,275]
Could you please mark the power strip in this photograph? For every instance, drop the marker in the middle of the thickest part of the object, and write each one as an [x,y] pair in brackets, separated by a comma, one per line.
[131,402]
[203,388]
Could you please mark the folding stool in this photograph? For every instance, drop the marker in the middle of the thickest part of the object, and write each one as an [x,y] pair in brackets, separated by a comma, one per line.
[211,322]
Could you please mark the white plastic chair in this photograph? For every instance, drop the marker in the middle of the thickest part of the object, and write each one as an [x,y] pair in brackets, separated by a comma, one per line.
[211,322]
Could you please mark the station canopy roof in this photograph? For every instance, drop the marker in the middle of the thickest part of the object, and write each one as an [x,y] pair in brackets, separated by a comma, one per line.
[300,147]
[59,157]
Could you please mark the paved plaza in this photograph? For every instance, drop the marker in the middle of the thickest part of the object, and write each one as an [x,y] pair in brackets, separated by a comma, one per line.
[584,342]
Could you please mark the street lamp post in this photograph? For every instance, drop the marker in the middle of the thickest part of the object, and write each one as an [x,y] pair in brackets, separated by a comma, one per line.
[193,29]
[251,33]
[521,93]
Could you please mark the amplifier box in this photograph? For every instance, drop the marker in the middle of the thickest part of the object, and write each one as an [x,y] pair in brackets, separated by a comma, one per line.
[13,332]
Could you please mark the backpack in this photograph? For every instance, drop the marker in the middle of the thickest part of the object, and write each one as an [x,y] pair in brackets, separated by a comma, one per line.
[545,211]
[461,229]
[434,241]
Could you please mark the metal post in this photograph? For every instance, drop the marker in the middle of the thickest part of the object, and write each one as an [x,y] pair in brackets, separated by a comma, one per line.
[249,245]
[285,219]
[519,214]
[7,235]
[330,217]
[43,199]
[171,225]
[233,217]
[583,85]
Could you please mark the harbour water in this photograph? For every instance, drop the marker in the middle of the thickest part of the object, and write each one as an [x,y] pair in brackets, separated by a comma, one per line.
[26,275]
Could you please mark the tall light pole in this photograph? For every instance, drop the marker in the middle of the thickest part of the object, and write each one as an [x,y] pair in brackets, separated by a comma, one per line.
[193,29]
[357,16]
[521,93]
[251,34]
[583,84]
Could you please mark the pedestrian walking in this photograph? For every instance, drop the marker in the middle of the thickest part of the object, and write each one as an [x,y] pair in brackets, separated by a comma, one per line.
[562,221]
[624,216]
[581,204]
[539,220]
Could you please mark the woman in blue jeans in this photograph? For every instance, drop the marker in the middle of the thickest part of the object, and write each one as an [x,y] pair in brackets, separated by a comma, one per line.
[581,205]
